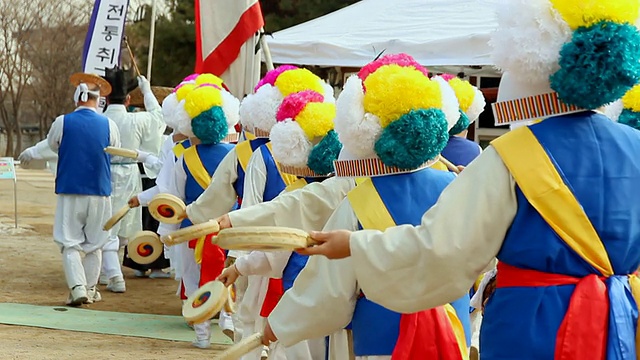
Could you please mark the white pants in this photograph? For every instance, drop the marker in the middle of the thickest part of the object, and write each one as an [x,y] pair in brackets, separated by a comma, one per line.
[340,346]
[305,350]
[250,328]
[78,228]
[189,269]
[241,287]
[110,261]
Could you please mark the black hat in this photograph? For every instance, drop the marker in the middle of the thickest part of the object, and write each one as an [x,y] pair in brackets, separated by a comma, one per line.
[122,82]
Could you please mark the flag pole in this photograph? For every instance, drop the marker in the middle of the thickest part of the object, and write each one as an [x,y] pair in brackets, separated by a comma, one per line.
[265,50]
[151,39]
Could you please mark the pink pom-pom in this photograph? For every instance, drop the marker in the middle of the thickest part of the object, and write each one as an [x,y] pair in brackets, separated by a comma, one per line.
[179,86]
[210,85]
[293,104]
[272,76]
[397,59]
[448,77]
[191,77]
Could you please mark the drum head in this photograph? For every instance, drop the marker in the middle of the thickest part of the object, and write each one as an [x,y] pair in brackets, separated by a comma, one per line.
[263,238]
[116,218]
[230,305]
[167,208]
[145,248]
[191,232]
[205,303]
[131,154]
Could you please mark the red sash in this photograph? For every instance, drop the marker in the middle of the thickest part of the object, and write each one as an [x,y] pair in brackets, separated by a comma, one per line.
[431,324]
[275,290]
[584,330]
[212,263]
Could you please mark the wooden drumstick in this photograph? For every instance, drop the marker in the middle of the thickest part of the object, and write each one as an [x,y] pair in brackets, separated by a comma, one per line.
[242,348]
[133,59]
[449,165]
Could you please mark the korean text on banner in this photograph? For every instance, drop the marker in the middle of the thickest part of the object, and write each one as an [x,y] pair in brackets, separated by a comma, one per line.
[106,29]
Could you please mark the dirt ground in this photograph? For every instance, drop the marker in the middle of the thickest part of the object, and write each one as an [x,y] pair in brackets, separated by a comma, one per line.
[31,273]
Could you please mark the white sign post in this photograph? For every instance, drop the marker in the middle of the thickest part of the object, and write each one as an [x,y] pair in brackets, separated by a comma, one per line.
[8,172]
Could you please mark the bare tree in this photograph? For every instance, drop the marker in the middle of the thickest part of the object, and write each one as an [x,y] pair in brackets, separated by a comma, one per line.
[17,20]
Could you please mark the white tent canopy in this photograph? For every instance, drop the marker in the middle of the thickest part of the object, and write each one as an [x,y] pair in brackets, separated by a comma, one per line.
[440,34]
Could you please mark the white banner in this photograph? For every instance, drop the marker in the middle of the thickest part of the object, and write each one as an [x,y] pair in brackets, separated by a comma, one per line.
[106,29]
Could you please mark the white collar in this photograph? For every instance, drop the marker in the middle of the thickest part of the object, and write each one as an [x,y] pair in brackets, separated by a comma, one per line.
[86,107]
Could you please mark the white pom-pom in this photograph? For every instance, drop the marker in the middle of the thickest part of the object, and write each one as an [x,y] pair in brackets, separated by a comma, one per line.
[477,106]
[328,93]
[450,105]
[613,110]
[529,38]
[230,107]
[259,110]
[168,108]
[183,120]
[290,144]
[357,131]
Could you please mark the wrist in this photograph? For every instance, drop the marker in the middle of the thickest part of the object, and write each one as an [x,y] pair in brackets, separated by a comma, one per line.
[235,268]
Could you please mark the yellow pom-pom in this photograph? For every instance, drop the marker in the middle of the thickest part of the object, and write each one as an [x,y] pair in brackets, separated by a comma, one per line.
[393,90]
[208,79]
[631,100]
[184,90]
[464,92]
[316,119]
[579,13]
[293,81]
[202,99]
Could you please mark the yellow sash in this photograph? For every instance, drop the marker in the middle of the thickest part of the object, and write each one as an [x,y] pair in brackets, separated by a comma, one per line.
[298,184]
[249,136]
[197,169]
[440,166]
[179,149]
[287,178]
[244,152]
[373,214]
[545,190]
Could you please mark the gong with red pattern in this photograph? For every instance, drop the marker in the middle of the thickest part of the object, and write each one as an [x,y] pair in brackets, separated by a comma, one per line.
[205,303]
[167,208]
[145,247]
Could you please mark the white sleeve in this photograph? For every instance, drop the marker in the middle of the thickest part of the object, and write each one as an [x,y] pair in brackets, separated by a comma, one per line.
[268,264]
[322,299]
[44,151]
[166,173]
[306,209]
[153,163]
[220,196]
[114,134]
[255,180]
[178,180]
[54,137]
[146,196]
[407,268]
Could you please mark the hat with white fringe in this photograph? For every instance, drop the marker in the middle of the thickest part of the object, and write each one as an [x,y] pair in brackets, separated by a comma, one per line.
[211,110]
[303,140]
[258,110]
[392,118]
[471,102]
[564,56]
[626,110]
[171,102]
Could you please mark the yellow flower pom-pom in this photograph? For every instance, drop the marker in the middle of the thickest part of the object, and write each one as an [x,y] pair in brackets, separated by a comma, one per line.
[393,90]
[293,81]
[464,92]
[316,119]
[579,13]
[202,99]
[631,100]
[208,79]
[184,90]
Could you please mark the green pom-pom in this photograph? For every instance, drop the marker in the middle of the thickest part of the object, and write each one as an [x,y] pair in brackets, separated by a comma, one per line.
[599,65]
[414,139]
[210,126]
[322,155]
[630,118]
[461,125]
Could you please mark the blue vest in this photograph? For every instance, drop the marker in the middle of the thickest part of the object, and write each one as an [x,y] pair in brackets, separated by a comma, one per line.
[83,166]
[275,184]
[296,261]
[407,197]
[460,151]
[598,160]
[239,184]
[211,156]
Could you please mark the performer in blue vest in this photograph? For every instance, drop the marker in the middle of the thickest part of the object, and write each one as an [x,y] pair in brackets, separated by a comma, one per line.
[305,145]
[212,112]
[398,142]
[83,186]
[556,202]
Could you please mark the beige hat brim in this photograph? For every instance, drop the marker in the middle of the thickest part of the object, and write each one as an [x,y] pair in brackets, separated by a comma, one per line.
[78,78]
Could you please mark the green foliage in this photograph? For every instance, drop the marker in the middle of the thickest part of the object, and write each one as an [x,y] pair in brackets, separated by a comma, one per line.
[175,46]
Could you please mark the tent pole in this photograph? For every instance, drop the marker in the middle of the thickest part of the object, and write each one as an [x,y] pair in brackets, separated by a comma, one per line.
[151,38]
[266,51]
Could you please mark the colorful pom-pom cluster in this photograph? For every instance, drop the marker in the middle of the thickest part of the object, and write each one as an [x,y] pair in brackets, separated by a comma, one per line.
[630,114]
[470,99]
[585,13]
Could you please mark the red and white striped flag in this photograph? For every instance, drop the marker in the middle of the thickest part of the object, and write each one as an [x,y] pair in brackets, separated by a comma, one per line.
[226,37]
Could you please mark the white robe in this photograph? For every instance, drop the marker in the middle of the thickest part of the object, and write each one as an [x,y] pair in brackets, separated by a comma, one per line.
[138,130]
[435,248]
